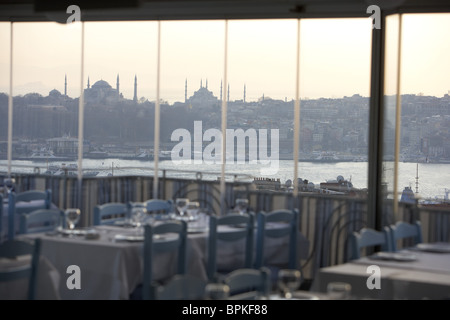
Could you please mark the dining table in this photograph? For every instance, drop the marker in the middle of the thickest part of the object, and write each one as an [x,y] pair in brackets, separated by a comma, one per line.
[413,273]
[110,257]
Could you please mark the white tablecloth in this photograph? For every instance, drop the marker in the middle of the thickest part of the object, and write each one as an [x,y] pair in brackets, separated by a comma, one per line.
[428,277]
[112,270]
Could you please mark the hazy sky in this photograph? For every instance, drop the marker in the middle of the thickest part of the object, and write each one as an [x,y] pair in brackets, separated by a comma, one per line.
[335,57]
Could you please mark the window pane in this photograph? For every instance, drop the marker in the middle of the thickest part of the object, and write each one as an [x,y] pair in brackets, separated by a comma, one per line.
[46,78]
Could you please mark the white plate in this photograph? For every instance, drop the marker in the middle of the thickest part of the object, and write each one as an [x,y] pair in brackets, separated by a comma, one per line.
[135,237]
[434,247]
[76,232]
[197,229]
[394,256]
[296,296]
[129,237]
[186,218]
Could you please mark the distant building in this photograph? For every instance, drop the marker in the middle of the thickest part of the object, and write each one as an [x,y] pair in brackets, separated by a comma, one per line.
[65,146]
[203,98]
[102,92]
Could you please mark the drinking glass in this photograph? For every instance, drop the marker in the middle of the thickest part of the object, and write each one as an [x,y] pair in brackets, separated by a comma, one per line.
[72,217]
[217,291]
[192,208]
[241,205]
[339,290]
[288,281]
[9,184]
[181,204]
[138,214]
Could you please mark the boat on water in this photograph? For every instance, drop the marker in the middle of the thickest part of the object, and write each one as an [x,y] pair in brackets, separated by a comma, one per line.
[43,155]
[70,169]
[327,157]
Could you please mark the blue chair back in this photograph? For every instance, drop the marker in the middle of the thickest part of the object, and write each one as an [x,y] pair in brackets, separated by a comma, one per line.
[110,213]
[182,287]
[1,218]
[286,224]
[41,220]
[171,244]
[405,230]
[248,284]
[13,248]
[158,206]
[26,196]
[243,228]
[368,238]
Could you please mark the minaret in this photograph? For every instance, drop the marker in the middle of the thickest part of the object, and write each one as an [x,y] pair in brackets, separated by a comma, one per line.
[206,84]
[201,85]
[185,91]
[88,84]
[65,85]
[228,93]
[244,92]
[135,89]
[220,90]
[117,84]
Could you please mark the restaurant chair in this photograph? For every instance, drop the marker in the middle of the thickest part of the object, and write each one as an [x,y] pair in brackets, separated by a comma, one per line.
[153,246]
[403,230]
[1,218]
[277,224]
[181,287]
[248,284]
[159,206]
[41,220]
[368,238]
[110,213]
[238,227]
[12,249]
[25,199]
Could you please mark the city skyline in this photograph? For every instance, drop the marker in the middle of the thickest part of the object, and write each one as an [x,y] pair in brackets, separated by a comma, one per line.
[335,57]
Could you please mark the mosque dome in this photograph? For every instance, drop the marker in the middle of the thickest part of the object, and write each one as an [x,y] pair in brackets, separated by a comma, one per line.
[101,84]
[54,93]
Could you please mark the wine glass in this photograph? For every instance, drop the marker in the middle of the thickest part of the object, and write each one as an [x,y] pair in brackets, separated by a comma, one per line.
[192,208]
[72,217]
[181,204]
[9,184]
[241,205]
[217,291]
[288,281]
[339,290]
[138,215]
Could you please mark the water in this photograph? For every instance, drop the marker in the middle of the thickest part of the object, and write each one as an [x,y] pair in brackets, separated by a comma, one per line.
[433,178]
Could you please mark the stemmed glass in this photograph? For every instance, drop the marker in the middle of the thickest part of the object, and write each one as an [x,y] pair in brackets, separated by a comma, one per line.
[217,291]
[241,205]
[181,204]
[339,290]
[9,184]
[192,208]
[138,215]
[72,217]
[288,281]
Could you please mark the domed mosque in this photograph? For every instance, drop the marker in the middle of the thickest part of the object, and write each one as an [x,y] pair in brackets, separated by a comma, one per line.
[101,91]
